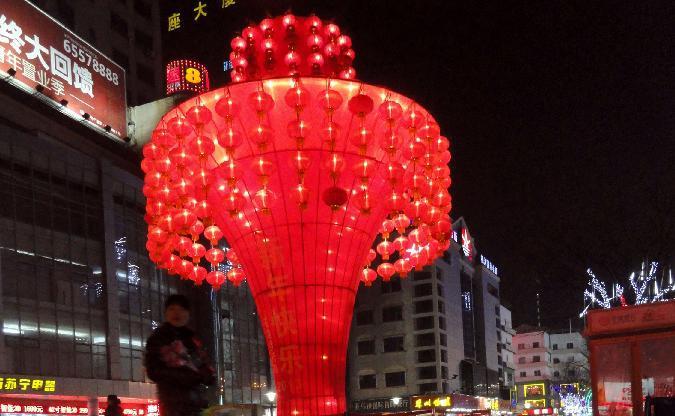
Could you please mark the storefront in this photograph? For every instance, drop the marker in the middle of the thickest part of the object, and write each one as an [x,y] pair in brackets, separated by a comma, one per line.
[631,357]
[431,405]
[34,395]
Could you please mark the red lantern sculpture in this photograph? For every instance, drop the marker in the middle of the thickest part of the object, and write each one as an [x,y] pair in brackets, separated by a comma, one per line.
[299,168]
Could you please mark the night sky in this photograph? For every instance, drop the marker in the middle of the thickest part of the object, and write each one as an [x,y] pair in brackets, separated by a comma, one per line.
[561,117]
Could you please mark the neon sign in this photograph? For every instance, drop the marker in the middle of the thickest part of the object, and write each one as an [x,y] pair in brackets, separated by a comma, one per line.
[63,407]
[488,264]
[432,402]
[467,244]
[17,384]
[186,75]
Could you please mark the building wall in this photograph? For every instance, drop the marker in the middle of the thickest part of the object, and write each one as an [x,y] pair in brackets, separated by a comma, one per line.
[571,352]
[529,346]
[507,348]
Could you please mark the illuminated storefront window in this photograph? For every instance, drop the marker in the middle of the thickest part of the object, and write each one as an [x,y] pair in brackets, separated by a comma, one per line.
[533,389]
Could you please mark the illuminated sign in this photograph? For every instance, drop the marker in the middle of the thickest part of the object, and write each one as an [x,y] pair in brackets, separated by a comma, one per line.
[379,405]
[186,75]
[533,389]
[64,407]
[543,411]
[536,403]
[431,402]
[43,55]
[488,264]
[186,13]
[227,65]
[27,384]
[467,244]
[569,387]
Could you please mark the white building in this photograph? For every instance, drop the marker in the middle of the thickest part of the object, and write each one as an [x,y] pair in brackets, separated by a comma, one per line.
[569,357]
[507,372]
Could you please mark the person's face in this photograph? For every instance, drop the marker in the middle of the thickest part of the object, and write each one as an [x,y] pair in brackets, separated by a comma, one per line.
[176,315]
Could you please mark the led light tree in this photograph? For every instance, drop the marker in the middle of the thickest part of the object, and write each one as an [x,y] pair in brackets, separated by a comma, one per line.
[301,169]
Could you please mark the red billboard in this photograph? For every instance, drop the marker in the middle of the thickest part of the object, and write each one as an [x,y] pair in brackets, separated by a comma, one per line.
[43,54]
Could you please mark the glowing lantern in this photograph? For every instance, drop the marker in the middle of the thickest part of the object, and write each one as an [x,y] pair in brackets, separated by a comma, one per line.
[299,169]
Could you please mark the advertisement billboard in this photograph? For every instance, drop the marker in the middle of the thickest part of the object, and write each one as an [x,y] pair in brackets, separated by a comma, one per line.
[42,54]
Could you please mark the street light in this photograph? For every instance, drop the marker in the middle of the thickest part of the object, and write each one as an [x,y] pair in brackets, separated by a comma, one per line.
[271,396]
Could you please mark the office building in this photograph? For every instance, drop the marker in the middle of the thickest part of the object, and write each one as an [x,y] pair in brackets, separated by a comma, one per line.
[437,330]
[569,357]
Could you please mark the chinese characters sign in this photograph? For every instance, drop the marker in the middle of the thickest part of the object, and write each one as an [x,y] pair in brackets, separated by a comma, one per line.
[380,405]
[431,402]
[42,52]
[26,384]
[488,265]
[193,12]
[186,75]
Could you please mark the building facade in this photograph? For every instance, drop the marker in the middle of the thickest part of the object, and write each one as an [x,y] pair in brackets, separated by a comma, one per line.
[507,371]
[436,331]
[545,363]
[127,31]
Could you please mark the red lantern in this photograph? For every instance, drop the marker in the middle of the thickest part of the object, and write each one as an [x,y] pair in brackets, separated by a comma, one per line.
[386,270]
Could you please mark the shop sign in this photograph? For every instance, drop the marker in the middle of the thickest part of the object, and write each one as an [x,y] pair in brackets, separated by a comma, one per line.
[380,405]
[656,315]
[186,75]
[64,407]
[431,402]
[42,54]
[16,384]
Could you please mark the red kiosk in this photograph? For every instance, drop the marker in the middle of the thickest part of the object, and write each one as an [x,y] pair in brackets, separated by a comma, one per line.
[632,356]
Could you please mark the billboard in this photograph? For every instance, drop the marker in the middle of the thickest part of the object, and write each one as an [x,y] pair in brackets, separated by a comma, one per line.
[186,75]
[43,54]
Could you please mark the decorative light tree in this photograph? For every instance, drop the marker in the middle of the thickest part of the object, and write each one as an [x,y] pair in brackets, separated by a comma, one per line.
[298,167]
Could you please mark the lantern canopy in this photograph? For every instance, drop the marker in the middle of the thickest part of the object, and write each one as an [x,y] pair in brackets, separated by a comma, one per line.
[309,176]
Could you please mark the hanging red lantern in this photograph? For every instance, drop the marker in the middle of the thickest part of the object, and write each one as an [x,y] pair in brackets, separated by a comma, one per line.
[386,270]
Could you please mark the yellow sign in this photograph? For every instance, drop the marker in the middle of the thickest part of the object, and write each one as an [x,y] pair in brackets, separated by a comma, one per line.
[431,402]
[10,384]
[536,403]
[537,389]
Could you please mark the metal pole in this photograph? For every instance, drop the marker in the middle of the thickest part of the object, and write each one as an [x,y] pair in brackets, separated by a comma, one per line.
[217,343]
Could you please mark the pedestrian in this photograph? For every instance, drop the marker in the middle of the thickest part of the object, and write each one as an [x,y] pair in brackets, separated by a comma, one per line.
[176,361]
[113,408]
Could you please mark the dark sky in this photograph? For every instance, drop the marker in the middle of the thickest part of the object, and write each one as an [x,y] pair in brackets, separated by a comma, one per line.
[561,116]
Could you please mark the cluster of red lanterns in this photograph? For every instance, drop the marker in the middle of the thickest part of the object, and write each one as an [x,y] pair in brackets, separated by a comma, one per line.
[312,180]
[288,46]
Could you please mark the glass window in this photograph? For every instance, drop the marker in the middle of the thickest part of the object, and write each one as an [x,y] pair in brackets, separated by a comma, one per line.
[364,317]
[426,356]
[556,360]
[555,346]
[393,344]
[424,306]
[392,313]
[426,372]
[523,374]
[427,388]
[423,275]
[521,360]
[423,290]
[425,322]
[367,381]
[444,356]
[366,347]
[394,285]
[441,322]
[537,372]
[535,345]
[394,379]
[556,374]
[423,340]
[441,307]
[521,346]
[658,366]
[536,359]
[570,345]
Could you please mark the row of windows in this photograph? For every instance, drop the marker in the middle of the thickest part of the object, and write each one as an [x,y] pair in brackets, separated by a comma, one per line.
[570,373]
[569,345]
[389,314]
[536,359]
[536,373]
[397,378]
[389,344]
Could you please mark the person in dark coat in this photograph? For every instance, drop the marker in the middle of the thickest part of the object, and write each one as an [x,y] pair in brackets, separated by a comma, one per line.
[176,361]
[113,408]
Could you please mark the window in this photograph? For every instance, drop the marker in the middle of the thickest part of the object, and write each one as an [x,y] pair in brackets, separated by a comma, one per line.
[523,374]
[393,344]
[521,346]
[556,374]
[444,356]
[426,322]
[537,372]
[570,345]
[497,310]
[521,360]
[555,346]
[493,291]
[364,318]
[424,306]
[366,347]
[424,340]
[444,372]
[119,25]
[367,381]
[570,373]
[423,290]
[444,340]
[441,322]
[535,345]
[441,307]
[426,356]
[143,40]
[427,388]
[423,275]
[536,359]
[439,288]
[392,313]
[426,372]
[556,360]
[394,285]
[394,379]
